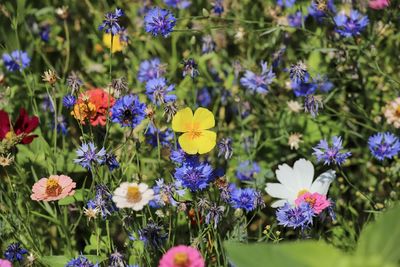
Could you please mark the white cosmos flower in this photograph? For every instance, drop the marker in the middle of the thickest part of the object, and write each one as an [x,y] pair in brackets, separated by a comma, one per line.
[297,181]
[132,195]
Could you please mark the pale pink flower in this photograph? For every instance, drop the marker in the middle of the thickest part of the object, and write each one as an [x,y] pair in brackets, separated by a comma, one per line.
[5,263]
[182,256]
[392,112]
[53,188]
[317,201]
[379,4]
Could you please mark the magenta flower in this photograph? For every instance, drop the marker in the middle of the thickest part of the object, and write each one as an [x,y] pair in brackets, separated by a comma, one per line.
[180,256]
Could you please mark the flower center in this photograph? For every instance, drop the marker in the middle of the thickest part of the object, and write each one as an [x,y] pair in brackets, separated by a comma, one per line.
[10,135]
[53,188]
[194,132]
[302,192]
[310,200]
[398,111]
[133,194]
[128,116]
[181,259]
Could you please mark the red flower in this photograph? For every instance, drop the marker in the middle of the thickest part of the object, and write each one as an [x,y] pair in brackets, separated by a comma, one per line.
[21,128]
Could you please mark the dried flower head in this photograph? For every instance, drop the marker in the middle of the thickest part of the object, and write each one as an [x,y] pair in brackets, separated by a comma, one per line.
[6,160]
[295,140]
[294,106]
[62,12]
[170,109]
[50,76]
[298,72]
[74,82]
[119,86]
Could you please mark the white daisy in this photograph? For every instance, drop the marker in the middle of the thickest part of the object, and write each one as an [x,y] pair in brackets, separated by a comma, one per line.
[297,181]
[133,195]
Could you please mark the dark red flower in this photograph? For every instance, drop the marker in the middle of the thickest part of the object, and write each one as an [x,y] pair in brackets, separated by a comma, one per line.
[21,128]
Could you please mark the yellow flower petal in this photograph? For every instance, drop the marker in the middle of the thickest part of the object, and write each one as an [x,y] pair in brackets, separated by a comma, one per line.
[182,121]
[204,119]
[202,144]
[117,44]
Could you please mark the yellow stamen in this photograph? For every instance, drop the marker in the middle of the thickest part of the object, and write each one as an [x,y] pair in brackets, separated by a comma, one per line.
[133,194]
[398,111]
[10,135]
[181,259]
[194,131]
[302,192]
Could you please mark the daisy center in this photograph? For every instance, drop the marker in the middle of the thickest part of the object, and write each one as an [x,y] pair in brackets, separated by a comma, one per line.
[133,194]
[53,188]
[302,192]
[181,259]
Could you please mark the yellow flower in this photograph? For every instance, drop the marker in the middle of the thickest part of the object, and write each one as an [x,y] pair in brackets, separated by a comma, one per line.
[117,44]
[196,137]
[83,110]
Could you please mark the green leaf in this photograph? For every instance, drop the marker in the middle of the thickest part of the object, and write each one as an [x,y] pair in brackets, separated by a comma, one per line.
[381,238]
[78,196]
[301,254]
[95,259]
[55,261]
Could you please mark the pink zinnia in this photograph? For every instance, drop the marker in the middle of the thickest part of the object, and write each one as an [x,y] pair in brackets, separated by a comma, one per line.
[379,4]
[182,256]
[5,263]
[317,201]
[53,188]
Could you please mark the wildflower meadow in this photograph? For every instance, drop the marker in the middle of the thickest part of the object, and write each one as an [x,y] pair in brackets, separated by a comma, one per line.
[193,133]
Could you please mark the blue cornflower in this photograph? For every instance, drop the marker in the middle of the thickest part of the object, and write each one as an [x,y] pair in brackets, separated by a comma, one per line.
[88,155]
[190,68]
[158,91]
[47,105]
[180,4]
[69,101]
[285,3]
[352,25]
[153,235]
[194,175]
[204,97]
[295,20]
[62,126]
[165,193]
[102,201]
[214,214]
[218,7]
[18,60]
[45,33]
[294,217]
[304,87]
[247,170]
[244,199]
[298,72]
[179,157]
[258,82]
[150,69]
[128,111]
[159,21]
[164,137]
[208,44]
[110,22]
[80,261]
[323,84]
[331,154]
[225,148]
[319,13]
[111,162]
[312,104]
[384,145]
[15,252]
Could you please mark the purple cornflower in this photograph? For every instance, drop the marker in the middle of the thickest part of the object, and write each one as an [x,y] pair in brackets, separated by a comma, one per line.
[194,175]
[258,82]
[164,137]
[323,84]
[180,4]
[62,126]
[352,25]
[102,201]
[116,259]
[190,68]
[319,12]
[47,105]
[110,22]
[298,72]
[158,91]
[164,193]
[153,235]
[312,104]
[128,111]
[294,217]
[17,60]
[214,214]
[150,69]
[111,162]
[304,87]
[295,20]
[80,261]
[159,21]
[88,155]
[285,3]
[15,252]
[69,101]
[247,170]
[208,44]
[384,145]
[331,154]
[243,199]
[218,7]
[74,82]
[204,97]
[44,33]
[225,148]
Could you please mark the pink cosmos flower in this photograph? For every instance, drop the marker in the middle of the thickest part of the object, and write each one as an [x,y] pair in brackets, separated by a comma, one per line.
[182,256]
[5,263]
[53,188]
[317,201]
[379,4]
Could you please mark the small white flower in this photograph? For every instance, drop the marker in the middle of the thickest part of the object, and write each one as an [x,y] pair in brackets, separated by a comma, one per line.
[297,181]
[295,140]
[132,195]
